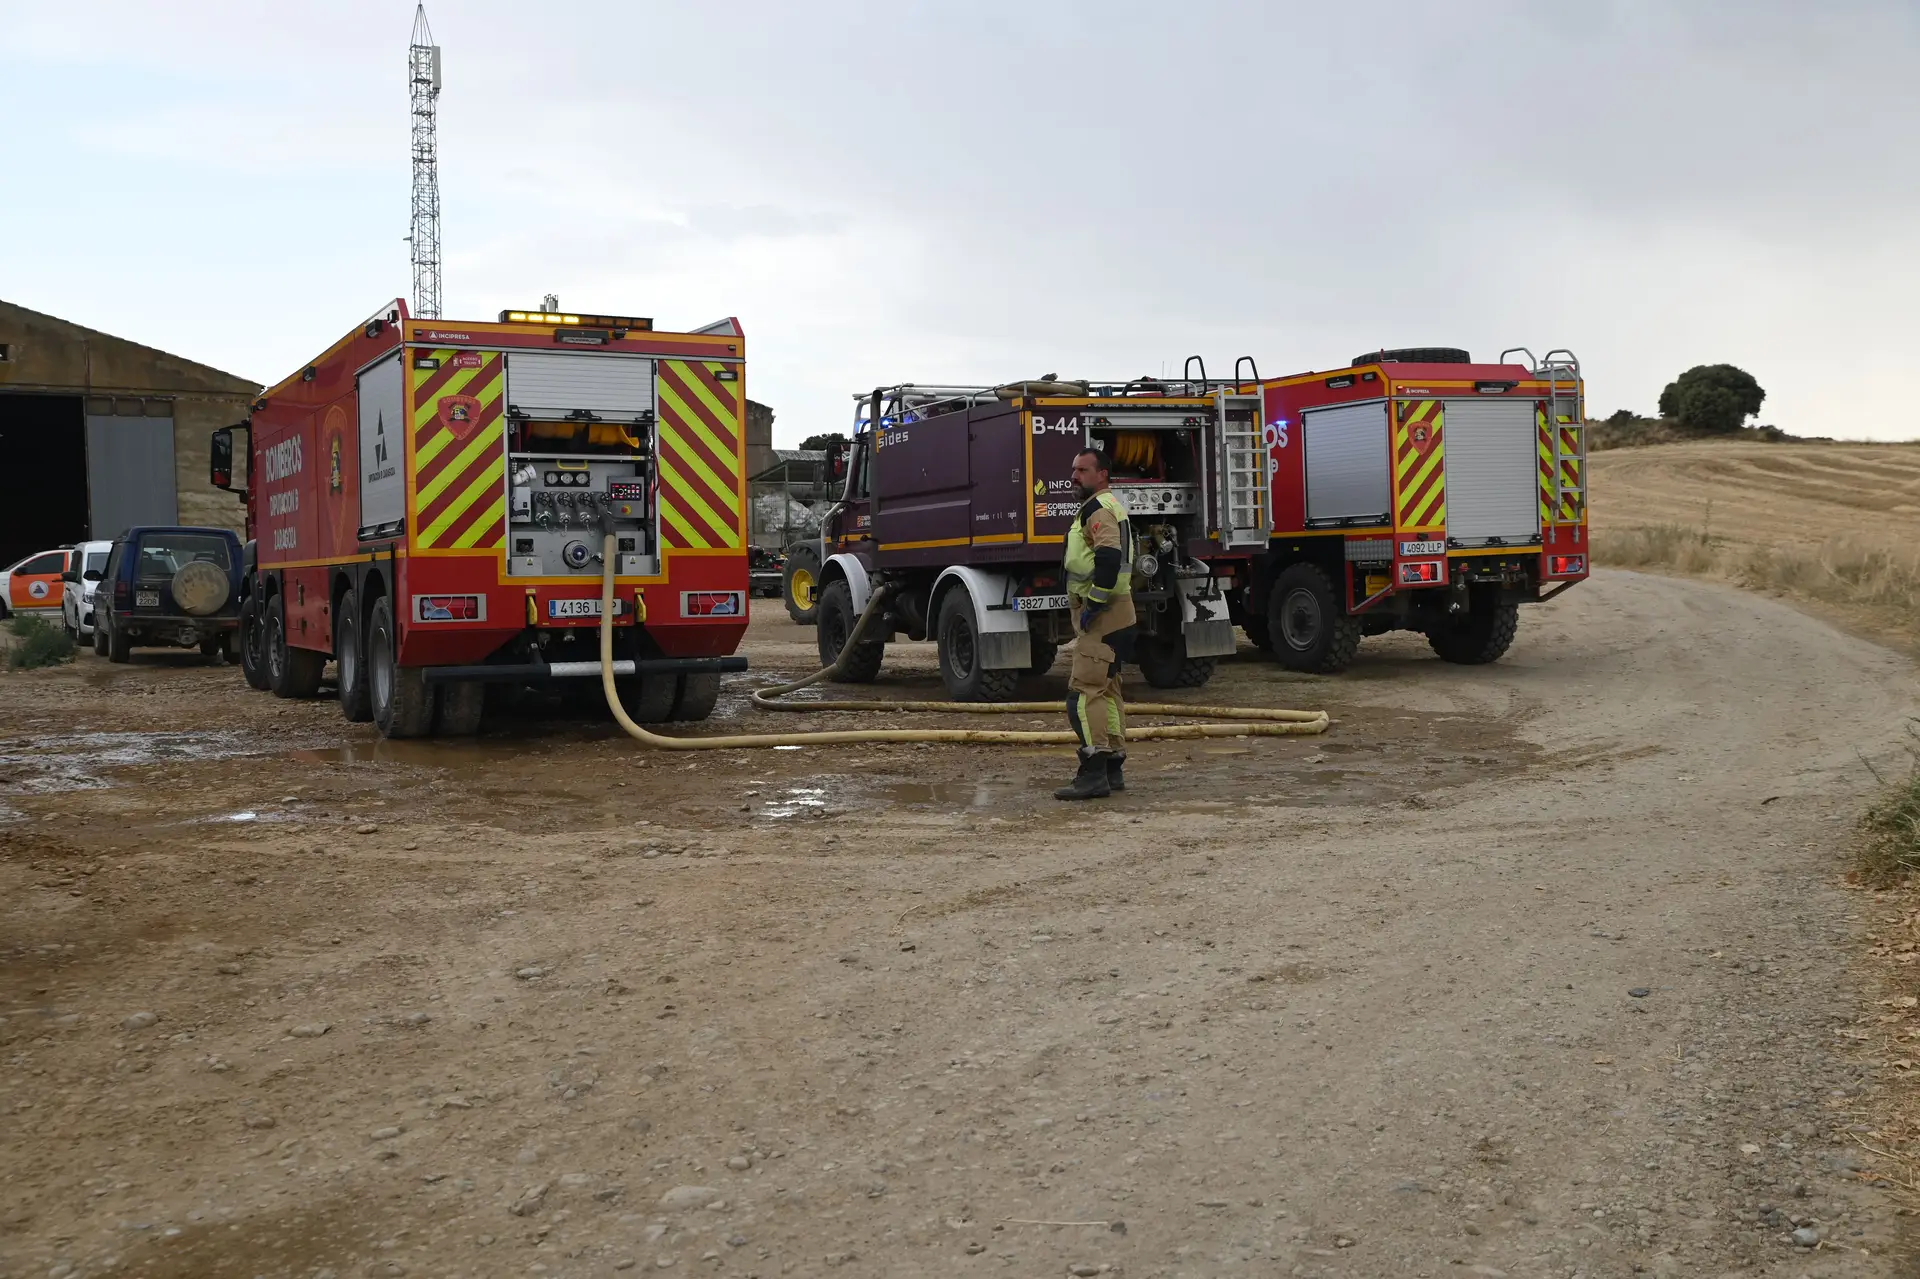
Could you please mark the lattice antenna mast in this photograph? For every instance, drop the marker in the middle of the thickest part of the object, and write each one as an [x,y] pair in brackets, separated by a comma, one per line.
[423,74]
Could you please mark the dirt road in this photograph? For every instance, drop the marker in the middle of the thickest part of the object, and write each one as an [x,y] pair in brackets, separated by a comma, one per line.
[1533,970]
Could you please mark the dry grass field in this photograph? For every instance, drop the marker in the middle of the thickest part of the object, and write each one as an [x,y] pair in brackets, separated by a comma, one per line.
[1835,524]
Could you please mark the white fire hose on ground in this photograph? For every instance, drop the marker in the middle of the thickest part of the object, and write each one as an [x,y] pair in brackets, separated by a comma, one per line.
[1253,721]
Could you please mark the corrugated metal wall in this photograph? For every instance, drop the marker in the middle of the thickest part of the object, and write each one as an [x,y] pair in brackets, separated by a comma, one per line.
[130,475]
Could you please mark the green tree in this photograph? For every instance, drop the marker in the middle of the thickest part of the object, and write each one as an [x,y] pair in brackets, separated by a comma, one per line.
[1712,397]
[823,441]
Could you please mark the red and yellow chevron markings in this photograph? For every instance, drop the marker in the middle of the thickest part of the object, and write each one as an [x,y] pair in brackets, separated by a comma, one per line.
[1419,465]
[701,425]
[1562,502]
[459,451]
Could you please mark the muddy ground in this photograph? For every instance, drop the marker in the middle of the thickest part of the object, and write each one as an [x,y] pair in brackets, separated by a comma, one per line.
[1539,969]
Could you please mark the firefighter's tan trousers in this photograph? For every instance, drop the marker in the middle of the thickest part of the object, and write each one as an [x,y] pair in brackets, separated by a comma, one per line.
[1094,707]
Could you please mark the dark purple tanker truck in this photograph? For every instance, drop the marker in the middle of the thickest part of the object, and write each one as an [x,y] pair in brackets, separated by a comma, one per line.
[958,500]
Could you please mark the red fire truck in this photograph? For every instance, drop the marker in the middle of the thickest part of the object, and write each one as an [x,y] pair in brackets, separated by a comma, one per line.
[427,502]
[1418,490]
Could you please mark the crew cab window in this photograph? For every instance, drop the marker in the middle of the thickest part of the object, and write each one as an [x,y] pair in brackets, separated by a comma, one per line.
[163,555]
[53,562]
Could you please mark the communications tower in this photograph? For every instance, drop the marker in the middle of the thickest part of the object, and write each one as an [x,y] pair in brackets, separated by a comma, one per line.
[423,73]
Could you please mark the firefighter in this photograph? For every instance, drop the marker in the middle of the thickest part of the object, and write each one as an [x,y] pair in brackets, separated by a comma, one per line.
[1099,554]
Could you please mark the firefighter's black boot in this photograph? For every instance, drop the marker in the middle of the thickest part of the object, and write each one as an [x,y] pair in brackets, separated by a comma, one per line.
[1091,781]
[1116,780]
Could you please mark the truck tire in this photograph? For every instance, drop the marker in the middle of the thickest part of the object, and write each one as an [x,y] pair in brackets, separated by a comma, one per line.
[252,640]
[99,633]
[350,660]
[836,622]
[1259,634]
[959,644]
[694,696]
[1416,355]
[462,704]
[403,701]
[800,584]
[1044,655]
[1164,662]
[291,672]
[1478,638]
[648,699]
[1310,629]
[119,647]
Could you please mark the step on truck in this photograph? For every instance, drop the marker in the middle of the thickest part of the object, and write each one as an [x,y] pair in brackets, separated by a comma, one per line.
[958,500]
[1417,490]
[427,504]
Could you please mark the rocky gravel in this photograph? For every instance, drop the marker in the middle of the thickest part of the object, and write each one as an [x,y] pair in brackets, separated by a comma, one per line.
[1542,969]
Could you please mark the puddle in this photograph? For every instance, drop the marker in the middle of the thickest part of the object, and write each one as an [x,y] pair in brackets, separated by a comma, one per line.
[795,801]
[959,794]
[77,761]
[245,816]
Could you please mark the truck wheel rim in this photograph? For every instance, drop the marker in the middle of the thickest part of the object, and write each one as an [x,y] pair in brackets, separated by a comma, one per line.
[1300,619]
[802,583]
[960,650]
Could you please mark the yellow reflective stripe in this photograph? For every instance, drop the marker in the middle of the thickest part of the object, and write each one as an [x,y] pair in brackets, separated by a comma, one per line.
[724,410]
[490,477]
[685,529]
[685,494]
[456,468]
[683,417]
[1433,462]
[485,526]
[432,448]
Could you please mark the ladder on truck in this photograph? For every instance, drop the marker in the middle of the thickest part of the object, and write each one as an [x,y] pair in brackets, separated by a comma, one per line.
[1243,471]
[1567,419]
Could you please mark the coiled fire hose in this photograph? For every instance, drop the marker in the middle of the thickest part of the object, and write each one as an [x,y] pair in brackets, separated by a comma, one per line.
[1256,721]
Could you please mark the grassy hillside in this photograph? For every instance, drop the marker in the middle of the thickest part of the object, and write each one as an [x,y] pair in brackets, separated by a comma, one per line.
[1835,524]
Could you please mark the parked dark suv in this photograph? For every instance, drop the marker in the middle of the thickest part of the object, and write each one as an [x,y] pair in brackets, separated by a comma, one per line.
[174,587]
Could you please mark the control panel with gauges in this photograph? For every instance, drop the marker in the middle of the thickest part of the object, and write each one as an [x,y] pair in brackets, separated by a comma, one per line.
[580,457]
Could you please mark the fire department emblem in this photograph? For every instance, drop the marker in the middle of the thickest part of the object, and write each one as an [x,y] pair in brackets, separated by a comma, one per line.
[1420,434]
[334,482]
[459,414]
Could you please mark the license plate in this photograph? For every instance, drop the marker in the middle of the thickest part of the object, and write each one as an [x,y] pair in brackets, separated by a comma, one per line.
[1423,548]
[582,608]
[146,599]
[1038,603]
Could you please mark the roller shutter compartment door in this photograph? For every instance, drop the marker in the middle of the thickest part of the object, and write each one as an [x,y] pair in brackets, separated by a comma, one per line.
[1347,462]
[1493,476]
[550,384]
[130,478]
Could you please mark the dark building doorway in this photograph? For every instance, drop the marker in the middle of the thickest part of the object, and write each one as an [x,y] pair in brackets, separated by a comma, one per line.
[43,474]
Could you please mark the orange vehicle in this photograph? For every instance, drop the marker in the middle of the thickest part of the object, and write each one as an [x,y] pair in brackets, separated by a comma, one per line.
[33,586]
[428,500]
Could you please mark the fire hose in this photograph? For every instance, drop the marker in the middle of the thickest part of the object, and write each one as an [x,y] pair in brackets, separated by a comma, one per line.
[1254,721]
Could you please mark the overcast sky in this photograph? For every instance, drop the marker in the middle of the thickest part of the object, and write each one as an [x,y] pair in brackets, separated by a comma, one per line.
[888,192]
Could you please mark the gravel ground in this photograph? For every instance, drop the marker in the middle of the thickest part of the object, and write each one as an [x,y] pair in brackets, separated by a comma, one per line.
[1543,969]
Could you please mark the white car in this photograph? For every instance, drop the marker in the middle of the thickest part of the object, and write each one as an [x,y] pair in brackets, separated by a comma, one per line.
[89,561]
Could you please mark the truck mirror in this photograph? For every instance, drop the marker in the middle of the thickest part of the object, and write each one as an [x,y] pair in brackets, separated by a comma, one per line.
[91,575]
[221,463]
